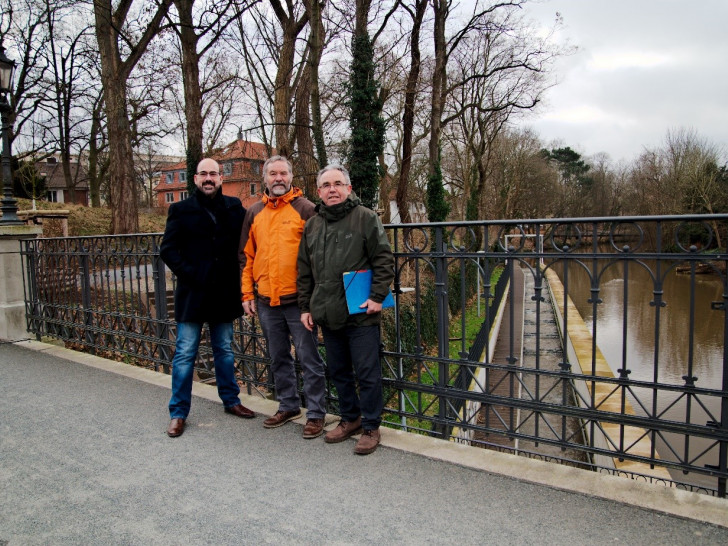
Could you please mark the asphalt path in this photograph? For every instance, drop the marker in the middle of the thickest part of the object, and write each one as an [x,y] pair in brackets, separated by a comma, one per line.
[84,460]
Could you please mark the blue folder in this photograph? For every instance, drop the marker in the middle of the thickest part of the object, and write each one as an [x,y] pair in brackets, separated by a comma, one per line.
[358,285]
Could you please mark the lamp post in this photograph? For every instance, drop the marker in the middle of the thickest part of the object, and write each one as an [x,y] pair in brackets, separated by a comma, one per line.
[9,204]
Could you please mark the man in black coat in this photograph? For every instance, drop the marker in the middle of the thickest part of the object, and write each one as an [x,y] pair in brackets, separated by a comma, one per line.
[200,246]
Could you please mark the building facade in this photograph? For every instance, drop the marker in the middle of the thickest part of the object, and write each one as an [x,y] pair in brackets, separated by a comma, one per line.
[241,165]
[57,190]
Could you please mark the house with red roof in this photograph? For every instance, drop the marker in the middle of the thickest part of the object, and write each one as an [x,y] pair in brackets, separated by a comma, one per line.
[241,165]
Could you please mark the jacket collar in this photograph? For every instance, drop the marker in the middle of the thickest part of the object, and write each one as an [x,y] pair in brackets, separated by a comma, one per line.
[339,210]
[201,199]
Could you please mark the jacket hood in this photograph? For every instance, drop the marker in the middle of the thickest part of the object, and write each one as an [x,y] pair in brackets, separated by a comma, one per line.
[284,199]
[339,210]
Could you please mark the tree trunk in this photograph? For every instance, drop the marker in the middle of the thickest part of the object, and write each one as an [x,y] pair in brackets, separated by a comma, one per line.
[316,39]
[306,164]
[95,176]
[438,81]
[408,118]
[191,84]
[123,198]
[114,75]
[283,93]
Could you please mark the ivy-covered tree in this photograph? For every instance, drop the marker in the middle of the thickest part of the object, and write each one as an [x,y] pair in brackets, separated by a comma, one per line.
[437,207]
[367,125]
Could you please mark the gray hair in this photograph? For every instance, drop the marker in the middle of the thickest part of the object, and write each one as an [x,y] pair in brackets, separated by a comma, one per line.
[273,159]
[333,167]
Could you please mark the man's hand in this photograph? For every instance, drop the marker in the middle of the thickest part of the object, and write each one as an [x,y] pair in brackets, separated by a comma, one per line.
[371,307]
[249,308]
[307,321]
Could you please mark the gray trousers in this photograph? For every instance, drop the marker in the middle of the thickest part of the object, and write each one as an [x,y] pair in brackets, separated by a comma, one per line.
[281,324]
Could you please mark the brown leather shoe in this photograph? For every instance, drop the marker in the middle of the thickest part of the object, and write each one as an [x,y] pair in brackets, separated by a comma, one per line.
[313,429]
[344,430]
[281,418]
[368,442]
[240,411]
[176,428]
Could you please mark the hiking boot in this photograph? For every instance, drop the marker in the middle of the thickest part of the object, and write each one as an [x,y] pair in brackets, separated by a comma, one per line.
[313,429]
[368,442]
[281,418]
[344,430]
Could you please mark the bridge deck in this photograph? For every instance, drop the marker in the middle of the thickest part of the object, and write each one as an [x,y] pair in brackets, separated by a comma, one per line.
[84,459]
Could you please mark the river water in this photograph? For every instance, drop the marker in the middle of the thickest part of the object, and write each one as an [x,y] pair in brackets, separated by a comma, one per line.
[629,338]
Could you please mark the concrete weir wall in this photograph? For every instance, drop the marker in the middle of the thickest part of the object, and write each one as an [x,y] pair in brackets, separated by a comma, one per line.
[470,411]
[579,354]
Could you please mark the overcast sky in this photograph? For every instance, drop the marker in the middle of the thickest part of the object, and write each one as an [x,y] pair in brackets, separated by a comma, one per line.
[643,67]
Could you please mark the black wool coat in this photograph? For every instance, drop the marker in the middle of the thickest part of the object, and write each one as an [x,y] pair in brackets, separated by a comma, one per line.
[202,252]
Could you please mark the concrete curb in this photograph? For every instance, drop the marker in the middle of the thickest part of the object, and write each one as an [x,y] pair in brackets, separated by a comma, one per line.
[655,497]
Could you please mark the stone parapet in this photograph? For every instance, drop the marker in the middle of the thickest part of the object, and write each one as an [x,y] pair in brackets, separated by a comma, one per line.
[12,300]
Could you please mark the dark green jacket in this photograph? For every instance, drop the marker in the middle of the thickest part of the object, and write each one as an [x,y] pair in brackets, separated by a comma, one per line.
[344,237]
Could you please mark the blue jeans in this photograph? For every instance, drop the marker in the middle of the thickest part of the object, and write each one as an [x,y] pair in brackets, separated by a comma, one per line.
[280,324]
[355,350]
[183,365]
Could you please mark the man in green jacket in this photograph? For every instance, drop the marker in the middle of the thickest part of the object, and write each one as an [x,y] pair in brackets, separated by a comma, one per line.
[346,236]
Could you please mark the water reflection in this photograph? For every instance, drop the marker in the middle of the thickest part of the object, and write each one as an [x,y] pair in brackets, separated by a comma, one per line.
[632,337]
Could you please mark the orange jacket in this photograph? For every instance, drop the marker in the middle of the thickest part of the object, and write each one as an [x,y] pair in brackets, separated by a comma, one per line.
[269,246]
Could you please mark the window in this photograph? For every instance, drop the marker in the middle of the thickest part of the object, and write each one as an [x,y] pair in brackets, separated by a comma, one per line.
[183,195]
[169,178]
[182,176]
[255,166]
[227,169]
[252,189]
[169,197]
[52,196]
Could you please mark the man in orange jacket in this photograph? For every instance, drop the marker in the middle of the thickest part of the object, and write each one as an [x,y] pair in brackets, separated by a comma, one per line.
[268,251]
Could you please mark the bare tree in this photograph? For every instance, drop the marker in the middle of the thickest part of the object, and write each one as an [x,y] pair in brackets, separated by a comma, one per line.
[506,66]
[69,55]
[120,52]
[417,12]
[683,176]
[23,27]
[293,19]
[197,36]
[254,40]
[316,45]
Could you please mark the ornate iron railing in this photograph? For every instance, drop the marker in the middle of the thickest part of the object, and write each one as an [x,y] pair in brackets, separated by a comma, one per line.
[553,386]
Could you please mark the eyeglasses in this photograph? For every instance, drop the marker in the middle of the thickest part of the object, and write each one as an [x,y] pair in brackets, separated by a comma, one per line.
[212,174]
[328,185]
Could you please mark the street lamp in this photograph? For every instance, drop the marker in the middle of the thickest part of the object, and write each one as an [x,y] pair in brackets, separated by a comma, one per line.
[9,204]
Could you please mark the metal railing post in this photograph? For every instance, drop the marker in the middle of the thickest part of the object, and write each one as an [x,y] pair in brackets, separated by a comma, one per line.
[86,300]
[443,326]
[160,299]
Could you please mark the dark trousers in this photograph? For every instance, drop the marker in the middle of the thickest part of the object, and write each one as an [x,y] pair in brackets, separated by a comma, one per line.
[350,351]
[280,324]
